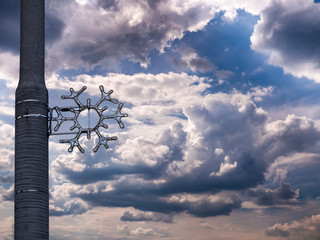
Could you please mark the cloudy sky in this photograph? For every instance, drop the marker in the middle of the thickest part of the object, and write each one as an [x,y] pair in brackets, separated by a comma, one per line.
[223,134]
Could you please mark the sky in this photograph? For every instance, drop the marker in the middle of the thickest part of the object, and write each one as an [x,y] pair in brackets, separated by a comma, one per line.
[223,134]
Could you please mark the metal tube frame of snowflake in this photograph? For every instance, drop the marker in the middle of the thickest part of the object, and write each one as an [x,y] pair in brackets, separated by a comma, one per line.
[74,142]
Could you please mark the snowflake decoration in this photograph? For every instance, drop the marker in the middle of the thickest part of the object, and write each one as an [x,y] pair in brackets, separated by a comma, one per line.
[100,111]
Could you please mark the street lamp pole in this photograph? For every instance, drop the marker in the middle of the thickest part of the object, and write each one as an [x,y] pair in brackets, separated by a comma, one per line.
[31,211]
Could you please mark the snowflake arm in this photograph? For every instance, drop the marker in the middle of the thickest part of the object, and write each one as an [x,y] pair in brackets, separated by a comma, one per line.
[118,115]
[74,142]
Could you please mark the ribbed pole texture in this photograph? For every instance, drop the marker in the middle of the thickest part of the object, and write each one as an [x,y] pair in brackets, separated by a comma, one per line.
[31,129]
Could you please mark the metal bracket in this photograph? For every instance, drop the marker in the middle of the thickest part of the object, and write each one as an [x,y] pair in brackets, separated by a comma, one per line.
[60,118]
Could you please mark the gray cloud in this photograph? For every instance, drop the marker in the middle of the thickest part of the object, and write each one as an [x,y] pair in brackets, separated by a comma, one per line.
[277,231]
[6,179]
[307,228]
[7,195]
[190,61]
[10,25]
[154,217]
[205,208]
[283,195]
[108,5]
[154,3]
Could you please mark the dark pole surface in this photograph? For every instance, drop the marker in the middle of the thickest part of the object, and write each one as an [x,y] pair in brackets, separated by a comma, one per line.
[31,129]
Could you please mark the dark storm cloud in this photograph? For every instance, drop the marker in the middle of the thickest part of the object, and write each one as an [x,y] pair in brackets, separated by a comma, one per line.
[54,27]
[10,25]
[283,195]
[91,175]
[146,202]
[290,35]
[154,217]
[249,173]
[295,34]
[206,208]
[132,43]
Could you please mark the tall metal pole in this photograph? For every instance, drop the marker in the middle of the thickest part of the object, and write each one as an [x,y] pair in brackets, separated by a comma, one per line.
[31,129]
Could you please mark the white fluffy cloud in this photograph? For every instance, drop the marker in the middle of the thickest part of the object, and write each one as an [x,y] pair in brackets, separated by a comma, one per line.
[139,88]
[140,149]
[9,68]
[6,153]
[148,232]
[7,133]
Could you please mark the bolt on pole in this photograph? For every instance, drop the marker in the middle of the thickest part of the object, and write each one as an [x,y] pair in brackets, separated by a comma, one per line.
[31,212]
